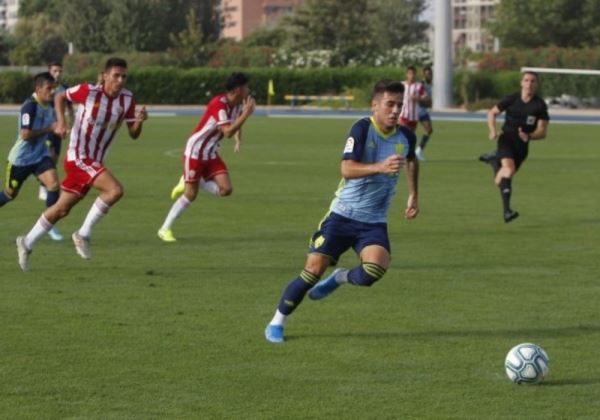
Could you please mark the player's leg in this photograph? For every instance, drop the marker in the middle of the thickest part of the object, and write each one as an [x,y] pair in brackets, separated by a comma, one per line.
[425,121]
[178,189]
[215,178]
[49,179]
[294,293]
[46,221]
[190,193]
[15,177]
[504,182]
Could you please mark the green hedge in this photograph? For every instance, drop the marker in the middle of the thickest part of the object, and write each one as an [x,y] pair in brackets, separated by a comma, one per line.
[170,85]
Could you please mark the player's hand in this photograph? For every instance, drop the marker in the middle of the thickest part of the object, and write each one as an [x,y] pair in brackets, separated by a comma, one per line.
[523,135]
[412,208]
[60,129]
[493,135]
[392,164]
[248,105]
[142,114]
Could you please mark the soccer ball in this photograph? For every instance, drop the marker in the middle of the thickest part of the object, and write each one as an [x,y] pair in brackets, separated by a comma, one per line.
[526,363]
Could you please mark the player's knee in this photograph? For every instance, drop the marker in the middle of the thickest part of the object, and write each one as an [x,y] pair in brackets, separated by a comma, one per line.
[116,193]
[366,275]
[225,191]
[53,186]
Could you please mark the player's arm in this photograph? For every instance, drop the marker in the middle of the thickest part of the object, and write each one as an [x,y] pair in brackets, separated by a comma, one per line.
[412,177]
[491,122]
[354,169]
[539,133]
[26,132]
[60,100]
[135,125]
[248,106]
[238,141]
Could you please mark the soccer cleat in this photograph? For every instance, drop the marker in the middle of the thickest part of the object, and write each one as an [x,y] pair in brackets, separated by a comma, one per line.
[82,245]
[178,189]
[510,216]
[23,253]
[326,286]
[419,154]
[55,234]
[487,157]
[274,333]
[166,235]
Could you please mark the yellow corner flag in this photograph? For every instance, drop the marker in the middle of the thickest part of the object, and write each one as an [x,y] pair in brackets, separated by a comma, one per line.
[271,88]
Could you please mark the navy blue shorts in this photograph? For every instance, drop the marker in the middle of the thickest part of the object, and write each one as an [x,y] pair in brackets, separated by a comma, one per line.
[337,234]
[54,142]
[16,175]
[424,116]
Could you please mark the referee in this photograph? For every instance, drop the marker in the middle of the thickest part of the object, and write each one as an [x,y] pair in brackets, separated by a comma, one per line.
[526,119]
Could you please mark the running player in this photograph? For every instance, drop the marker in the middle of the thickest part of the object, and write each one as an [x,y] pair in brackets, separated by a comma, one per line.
[414,95]
[101,112]
[202,165]
[526,119]
[375,151]
[29,155]
[424,117]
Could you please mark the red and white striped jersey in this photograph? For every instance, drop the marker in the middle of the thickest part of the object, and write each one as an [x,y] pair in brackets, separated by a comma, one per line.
[205,141]
[97,120]
[410,107]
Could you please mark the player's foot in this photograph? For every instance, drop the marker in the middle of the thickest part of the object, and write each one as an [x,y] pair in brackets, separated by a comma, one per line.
[42,193]
[274,333]
[82,245]
[178,189]
[326,286]
[419,154]
[166,235]
[487,157]
[55,234]
[23,253]
[509,216]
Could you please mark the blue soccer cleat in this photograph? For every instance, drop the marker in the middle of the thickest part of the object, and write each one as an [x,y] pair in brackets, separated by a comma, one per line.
[326,286]
[274,333]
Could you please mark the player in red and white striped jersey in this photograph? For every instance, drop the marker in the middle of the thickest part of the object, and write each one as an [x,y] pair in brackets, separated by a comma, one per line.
[202,165]
[103,109]
[414,94]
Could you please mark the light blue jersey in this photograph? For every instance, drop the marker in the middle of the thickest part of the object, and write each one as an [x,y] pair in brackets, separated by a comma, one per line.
[424,110]
[34,116]
[367,199]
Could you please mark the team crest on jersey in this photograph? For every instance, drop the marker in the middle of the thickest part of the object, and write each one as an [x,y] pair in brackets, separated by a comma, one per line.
[530,119]
[192,173]
[349,148]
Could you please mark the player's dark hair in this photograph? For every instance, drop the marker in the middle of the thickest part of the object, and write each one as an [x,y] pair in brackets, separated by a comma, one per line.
[387,85]
[427,68]
[533,73]
[41,78]
[413,68]
[54,64]
[115,62]
[236,80]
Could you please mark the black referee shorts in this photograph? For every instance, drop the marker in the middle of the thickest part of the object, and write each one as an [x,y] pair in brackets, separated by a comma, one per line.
[511,146]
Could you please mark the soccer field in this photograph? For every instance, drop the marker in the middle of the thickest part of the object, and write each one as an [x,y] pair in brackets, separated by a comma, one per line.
[153,330]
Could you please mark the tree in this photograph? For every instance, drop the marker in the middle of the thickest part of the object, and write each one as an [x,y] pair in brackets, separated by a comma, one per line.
[541,23]
[398,22]
[37,41]
[188,45]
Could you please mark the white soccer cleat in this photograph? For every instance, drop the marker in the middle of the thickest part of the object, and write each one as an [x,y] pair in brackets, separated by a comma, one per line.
[55,234]
[23,253]
[82,245]
[419,154]
[42,193]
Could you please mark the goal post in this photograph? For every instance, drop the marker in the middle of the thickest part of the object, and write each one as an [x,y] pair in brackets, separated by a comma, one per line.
[573,88]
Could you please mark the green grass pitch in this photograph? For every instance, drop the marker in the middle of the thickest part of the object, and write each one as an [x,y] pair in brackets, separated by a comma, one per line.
[153,330]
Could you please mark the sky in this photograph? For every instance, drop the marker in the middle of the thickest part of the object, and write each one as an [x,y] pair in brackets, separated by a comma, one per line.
[428,13]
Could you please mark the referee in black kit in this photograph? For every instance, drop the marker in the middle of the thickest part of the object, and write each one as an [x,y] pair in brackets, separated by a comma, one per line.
[526,119]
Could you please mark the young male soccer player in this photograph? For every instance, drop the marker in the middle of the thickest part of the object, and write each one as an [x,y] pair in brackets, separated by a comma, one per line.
[202,165]
[375,151]
[424,117]
[101,112]
[526,119]
[414,95]
[30,155]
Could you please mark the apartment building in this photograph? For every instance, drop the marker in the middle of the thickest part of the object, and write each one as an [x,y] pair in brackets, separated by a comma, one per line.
[468,25]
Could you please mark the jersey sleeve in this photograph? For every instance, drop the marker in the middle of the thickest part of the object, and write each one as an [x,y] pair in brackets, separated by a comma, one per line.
[543,113]
[357,138]
[28,112]
[79,93]
[506,102]
[219,112]
[412,141]
[130,113]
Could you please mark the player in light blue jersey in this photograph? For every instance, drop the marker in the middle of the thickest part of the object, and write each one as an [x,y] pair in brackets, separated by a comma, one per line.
[424,117]
[29,155]
[375,151]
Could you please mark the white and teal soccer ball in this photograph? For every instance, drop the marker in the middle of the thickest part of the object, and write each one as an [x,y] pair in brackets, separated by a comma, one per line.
[526,363]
